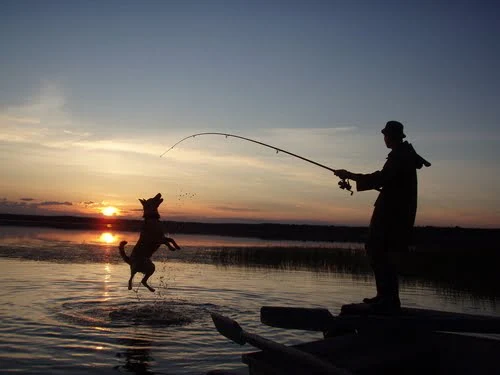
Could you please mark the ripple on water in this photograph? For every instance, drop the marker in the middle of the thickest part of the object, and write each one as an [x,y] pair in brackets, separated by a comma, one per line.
[109,314]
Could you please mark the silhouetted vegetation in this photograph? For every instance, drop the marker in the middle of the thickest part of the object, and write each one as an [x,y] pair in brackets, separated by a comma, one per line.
[458,270]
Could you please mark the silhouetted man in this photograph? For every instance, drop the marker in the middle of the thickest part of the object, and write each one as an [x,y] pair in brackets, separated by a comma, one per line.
[393,217]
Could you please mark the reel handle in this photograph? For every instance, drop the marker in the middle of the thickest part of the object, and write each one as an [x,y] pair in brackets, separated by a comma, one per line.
[344,184]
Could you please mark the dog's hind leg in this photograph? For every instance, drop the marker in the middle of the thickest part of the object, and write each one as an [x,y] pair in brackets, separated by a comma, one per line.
[149,270]
[132,274]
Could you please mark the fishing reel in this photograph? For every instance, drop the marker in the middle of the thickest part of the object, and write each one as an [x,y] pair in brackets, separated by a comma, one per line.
[345,185]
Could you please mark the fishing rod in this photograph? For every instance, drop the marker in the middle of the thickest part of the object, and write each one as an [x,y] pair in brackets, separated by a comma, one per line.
[343,184]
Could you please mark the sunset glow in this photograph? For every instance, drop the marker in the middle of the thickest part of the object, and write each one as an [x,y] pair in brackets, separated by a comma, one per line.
[109,211]
[93,111]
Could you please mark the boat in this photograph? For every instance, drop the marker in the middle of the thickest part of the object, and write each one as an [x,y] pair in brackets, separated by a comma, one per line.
[361,341]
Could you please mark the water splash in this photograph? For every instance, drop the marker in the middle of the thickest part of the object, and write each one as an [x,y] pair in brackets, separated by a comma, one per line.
[104,314]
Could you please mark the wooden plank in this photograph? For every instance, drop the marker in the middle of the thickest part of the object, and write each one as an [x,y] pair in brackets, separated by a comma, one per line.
[367,309]
[309,319]
[363,317]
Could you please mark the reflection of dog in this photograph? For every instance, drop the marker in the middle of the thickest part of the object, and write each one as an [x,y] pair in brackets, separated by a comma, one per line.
[150,240]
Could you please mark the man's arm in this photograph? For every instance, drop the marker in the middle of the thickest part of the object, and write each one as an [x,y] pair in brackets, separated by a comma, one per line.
[363,181]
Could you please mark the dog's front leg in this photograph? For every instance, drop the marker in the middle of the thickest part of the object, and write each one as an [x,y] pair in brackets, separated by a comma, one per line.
[168,240]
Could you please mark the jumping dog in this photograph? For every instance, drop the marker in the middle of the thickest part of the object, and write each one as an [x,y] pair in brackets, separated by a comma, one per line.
[150,239]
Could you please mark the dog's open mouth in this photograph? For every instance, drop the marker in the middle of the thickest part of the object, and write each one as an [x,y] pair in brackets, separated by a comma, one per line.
[151,203]
[158,198]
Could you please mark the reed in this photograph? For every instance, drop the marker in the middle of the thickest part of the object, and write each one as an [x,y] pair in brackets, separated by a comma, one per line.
[476,273]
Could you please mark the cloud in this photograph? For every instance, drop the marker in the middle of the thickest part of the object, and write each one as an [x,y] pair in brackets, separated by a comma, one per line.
[339,145]
[137,146]
[45,122]
[22,120]
[236,209]
[28,206]
[54,203]
[23,207]
[301,132]
[87,204]
[78,134]
[125,212]
[42,120]
[93,205]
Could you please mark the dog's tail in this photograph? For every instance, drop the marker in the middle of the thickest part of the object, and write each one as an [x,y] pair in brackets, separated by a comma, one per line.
[125,257]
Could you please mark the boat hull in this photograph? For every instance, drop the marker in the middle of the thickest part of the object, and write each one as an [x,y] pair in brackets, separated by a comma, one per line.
[417,353]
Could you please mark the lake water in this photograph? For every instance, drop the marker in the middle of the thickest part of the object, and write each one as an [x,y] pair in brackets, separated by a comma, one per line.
[65,306]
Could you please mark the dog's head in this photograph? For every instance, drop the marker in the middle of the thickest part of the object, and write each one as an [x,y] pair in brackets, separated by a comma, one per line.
[150,206]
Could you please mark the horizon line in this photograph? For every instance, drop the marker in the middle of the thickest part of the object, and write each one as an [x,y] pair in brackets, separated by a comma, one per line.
[246,222]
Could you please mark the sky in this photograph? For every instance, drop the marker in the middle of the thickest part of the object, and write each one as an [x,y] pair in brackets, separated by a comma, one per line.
[93,92]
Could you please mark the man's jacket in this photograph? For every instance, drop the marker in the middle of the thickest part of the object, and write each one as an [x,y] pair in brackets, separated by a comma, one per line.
[393,218]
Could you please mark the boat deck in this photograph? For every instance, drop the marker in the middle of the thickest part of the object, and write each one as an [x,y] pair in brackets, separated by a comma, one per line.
[432,353]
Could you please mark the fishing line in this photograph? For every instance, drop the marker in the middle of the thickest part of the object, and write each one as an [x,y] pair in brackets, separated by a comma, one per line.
[343,184]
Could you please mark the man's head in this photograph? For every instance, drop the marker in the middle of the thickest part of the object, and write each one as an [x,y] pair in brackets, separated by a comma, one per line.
[393,133]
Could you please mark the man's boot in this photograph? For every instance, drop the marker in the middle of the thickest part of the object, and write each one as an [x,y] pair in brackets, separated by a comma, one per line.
[378,284]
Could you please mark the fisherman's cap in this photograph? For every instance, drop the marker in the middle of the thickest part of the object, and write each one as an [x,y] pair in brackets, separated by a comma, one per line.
[394,129]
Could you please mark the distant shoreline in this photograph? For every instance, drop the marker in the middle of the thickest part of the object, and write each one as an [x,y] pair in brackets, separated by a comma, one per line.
[430,238]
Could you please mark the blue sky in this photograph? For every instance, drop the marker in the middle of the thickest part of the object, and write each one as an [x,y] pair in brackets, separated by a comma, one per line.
[93,91]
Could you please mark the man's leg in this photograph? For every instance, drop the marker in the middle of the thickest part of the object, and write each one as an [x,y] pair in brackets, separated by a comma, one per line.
[393,278]
[374,248]
[386,279]
[373,253]
[391,281]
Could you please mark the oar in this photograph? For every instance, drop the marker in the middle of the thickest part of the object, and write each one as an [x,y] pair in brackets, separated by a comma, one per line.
[309,319]
[232,330]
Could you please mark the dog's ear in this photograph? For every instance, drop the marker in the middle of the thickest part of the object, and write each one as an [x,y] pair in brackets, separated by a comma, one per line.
[142,201]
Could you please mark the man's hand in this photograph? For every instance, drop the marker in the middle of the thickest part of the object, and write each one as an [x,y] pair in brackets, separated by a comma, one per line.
[342,174]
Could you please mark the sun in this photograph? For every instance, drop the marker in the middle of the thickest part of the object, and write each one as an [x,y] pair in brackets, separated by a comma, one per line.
[109,211]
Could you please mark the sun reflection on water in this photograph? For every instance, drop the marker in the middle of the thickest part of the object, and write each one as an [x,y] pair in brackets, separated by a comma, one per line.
[106,282]
[108,238]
